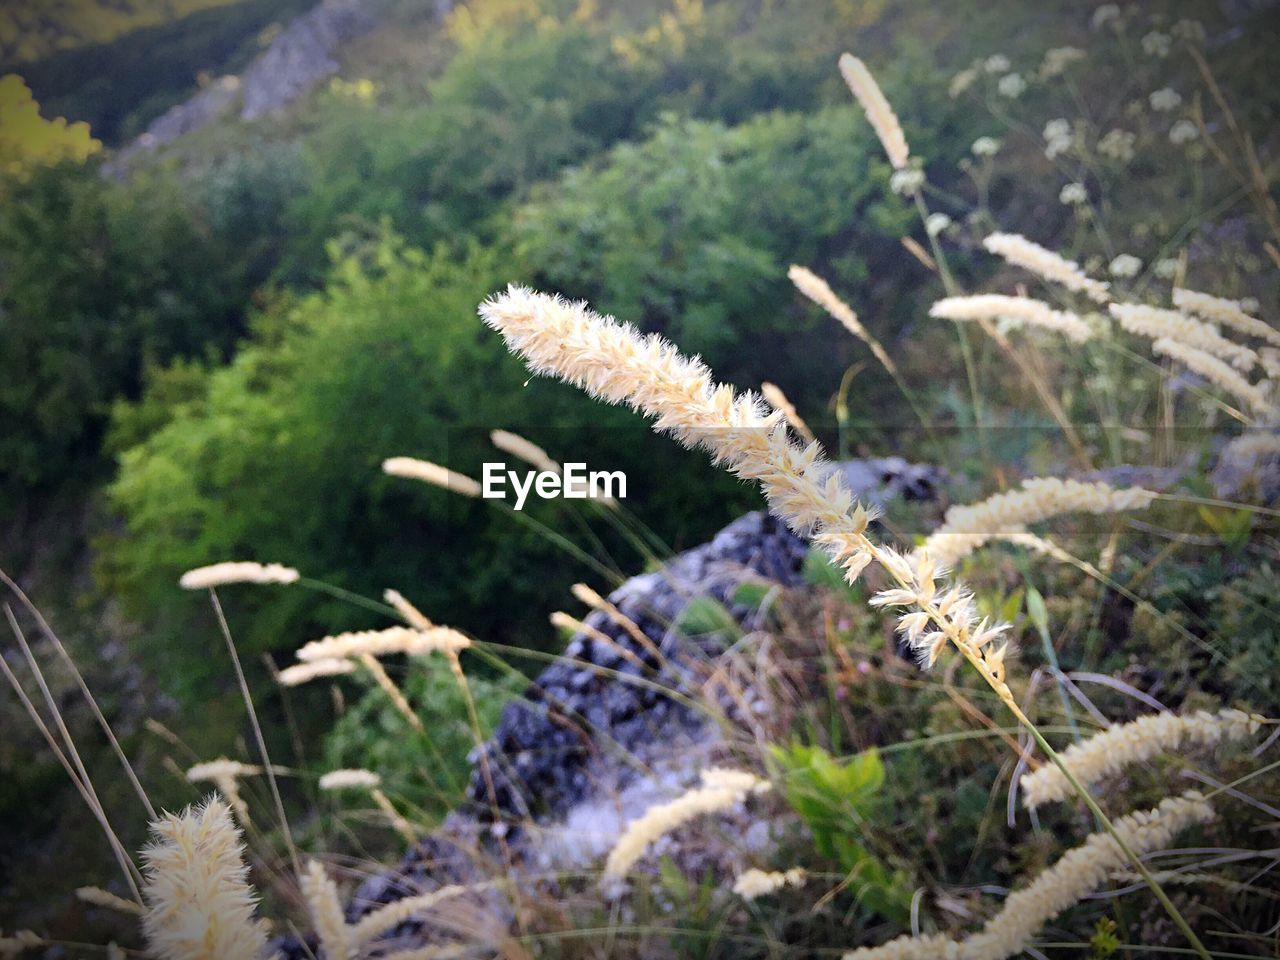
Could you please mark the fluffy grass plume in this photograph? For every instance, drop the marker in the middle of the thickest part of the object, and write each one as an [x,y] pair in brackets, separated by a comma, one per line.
[350,779]
[96,896]
[879,114]
[1023,310]
[612,362]
[1155,323]
[1254,396]
[965,528]
[431,473]
[753,883]
[378,643]
[1032,257]
[199,902]
[1078,873]
[1107,753]
[1228,313]
[301,673]
[218,574]
[719,790]
[321,894]
[820,292]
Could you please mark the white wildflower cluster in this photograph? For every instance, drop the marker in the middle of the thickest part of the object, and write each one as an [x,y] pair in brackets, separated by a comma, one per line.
[218,574]
[1011,85]
[1058,59]
[1165,268]
[1125,266]
[720,789]
[907,181]
[1022,252]
[1191,31]
[1118,145]
[1058,138]
[1073,195]
[985,147]
[199,902]
[996,63]
[879,114]
[1078,873]
[1157,44]
[1183,132]
[753,883]
[967,527]
[1165,99]
[1228,313]
[936,223]
[1157,322]
[1106,754]
[1022,310]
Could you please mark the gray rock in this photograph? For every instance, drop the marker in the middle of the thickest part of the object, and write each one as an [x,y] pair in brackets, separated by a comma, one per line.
[581,752]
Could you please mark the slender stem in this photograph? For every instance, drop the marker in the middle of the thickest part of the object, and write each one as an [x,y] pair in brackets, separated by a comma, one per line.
[257,732]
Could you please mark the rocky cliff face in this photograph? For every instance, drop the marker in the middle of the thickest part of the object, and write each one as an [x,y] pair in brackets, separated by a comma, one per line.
[299,58]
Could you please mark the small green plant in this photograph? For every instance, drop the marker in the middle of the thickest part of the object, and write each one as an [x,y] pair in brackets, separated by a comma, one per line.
[837,799]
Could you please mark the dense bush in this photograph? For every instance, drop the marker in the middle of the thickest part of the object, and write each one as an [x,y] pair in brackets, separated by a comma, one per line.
[388,359]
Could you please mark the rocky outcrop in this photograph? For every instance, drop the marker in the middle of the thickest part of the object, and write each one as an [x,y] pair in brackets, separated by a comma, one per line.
[586,749]
[299,58]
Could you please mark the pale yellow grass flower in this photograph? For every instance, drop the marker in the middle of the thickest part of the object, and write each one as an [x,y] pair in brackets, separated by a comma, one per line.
[218,574]
[1254,396]
[1254,445]
[1078,873]
[753,883]
[1229,313]
[349,780]
[223,774]
[1107,753]
[1157,323]
[379,643]
[379,921]
[301,673]
[20,942]
[879,114]
[820,292]
[612,362]
[98,897]
[967,527]
[1021,252]
[778,400]
[720,790]
[199,902]
[1023,310]
[526,450]
[408,612]
[321,894]
[220,769]
[431,473]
